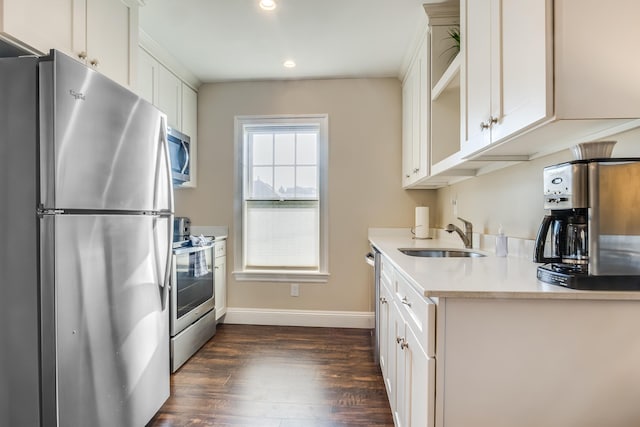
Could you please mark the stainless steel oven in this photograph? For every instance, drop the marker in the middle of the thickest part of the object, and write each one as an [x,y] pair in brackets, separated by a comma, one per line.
[192,301]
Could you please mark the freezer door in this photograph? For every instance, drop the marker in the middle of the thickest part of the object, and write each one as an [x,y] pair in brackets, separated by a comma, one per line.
[102,146]
[109,321]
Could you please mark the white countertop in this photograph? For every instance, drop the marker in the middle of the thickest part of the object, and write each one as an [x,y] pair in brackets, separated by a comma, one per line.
[481,277]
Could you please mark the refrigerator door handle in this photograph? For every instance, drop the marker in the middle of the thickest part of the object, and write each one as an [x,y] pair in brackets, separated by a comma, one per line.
[164,147]
[168,267]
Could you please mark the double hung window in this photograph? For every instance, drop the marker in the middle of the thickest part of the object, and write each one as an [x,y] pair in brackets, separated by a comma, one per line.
[282,212]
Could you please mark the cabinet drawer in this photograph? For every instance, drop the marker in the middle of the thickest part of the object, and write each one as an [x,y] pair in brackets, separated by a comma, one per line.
[220,248]
[387,273]
[420,314]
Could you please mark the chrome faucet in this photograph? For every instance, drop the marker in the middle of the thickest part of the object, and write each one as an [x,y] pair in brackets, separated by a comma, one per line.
[466,236]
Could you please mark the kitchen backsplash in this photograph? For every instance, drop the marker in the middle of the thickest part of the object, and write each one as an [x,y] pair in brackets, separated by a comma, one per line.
[521,248]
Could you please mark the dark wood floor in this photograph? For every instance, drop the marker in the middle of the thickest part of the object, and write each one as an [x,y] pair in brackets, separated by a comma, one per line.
[279,377]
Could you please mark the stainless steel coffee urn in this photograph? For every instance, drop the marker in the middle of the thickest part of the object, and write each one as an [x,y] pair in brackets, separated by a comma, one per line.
[590,239]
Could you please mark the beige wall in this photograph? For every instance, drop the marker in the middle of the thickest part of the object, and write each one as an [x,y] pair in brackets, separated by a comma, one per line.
[512,196]
[364,178]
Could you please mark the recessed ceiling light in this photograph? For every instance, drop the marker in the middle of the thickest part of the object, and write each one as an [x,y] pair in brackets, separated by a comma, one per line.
[289,63]
[267,4]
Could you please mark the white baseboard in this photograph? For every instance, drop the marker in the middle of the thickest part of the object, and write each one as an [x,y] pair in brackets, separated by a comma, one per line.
[318,318]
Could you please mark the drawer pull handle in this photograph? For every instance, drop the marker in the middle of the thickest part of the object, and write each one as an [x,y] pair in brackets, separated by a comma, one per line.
[406,302]
[404,344]
[399,339]
[383,300]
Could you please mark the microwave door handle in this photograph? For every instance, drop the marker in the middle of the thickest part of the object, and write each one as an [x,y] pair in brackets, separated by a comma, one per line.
[186,154]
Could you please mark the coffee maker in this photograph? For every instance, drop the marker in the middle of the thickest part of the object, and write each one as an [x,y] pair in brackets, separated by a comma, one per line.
[590,239]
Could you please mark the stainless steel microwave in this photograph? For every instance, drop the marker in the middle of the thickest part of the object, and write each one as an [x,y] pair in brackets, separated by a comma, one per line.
[179,152]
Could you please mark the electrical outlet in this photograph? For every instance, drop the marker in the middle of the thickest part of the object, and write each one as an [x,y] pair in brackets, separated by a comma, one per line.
[295,290]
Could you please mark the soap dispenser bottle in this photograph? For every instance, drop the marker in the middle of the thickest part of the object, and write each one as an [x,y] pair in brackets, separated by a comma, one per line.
[501,243]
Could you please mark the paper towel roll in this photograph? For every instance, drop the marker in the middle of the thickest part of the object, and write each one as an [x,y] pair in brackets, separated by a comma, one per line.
[422,222]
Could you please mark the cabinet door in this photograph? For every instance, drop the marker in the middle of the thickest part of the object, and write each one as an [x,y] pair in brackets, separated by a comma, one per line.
[423,106]
[384,338]
[476,33]
[523,84]
[112,38]
[189,111]
[147,76]
[407,129]
[42,25]
[419,383]
[397,376]
[221,286]
[415,117]
[170,96]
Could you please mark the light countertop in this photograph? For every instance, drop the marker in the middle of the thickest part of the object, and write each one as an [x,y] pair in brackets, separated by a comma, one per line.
[482,277]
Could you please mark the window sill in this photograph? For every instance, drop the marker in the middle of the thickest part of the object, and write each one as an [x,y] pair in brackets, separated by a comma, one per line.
[280,276]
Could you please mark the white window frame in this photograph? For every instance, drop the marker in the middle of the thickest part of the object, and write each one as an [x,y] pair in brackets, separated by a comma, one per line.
[241,273]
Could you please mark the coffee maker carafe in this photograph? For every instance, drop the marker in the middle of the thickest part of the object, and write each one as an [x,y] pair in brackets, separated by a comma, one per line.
[563,239]
[590,239]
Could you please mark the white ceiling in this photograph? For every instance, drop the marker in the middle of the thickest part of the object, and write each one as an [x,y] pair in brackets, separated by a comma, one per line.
[224,40]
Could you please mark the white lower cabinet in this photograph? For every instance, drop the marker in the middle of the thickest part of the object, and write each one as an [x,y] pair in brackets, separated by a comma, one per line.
[384,308]
[505,362]
[407,350]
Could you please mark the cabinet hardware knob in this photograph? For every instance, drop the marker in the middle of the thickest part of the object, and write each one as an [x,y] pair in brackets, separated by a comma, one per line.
[404,345]
[82,55]
[486,125]
[399,339]
[383,300]
[94,62]
[407,176]
[416,170]
[406,302]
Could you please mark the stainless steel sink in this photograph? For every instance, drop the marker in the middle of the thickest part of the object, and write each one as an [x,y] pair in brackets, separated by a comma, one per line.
[441,253]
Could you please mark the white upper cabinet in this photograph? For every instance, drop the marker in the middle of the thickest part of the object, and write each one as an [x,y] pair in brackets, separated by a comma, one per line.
[189,106]
[109,41]
[415,117]
[506,46]
[101,33]
[38,25]
[148,76]
[178,100]
[164,89]
[169,97]
[533,77]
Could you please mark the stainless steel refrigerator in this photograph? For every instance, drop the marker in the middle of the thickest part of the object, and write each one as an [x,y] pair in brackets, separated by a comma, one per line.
[86,213]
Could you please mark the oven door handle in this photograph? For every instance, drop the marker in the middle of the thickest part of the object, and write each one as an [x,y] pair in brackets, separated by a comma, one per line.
[192,249]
